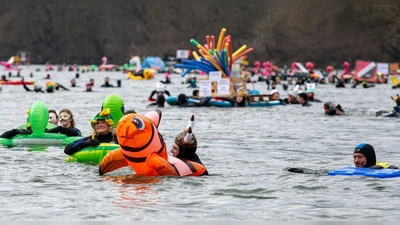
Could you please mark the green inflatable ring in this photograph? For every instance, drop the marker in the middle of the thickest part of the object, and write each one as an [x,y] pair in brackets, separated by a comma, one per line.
[92,154]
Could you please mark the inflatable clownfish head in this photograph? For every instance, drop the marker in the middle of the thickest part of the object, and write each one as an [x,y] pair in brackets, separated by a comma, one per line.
[138,137]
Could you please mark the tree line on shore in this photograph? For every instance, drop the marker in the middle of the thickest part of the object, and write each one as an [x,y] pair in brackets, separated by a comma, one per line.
[323,34]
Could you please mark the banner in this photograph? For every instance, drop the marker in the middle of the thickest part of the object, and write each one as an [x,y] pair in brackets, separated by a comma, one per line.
[382,68]
[223,87]
[182,54]
[394,68]
[204,88]
[215,75]
[365,71]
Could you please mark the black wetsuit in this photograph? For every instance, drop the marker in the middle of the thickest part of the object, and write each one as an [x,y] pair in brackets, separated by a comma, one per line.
[67,131]
[11,133]
[155,91]
[61,86]
[183,101]
[77,145]
[27,89]
[286,100]
[106,84]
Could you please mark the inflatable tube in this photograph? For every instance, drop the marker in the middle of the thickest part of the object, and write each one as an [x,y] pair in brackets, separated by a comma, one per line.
[218,103]
[16,82]
[357,171]
[92,154]
[263,103]
[116,105]
[145,74]
[47,139]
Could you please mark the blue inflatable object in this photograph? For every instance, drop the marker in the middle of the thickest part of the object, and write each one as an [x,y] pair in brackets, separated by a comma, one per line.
[357,171]
[152,62]
[173,99]
[263,103]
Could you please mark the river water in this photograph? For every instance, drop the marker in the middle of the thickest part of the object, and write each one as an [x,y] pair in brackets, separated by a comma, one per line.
[246,151]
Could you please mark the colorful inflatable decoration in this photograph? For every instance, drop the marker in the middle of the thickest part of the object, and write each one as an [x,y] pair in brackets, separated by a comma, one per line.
[346,73]
[8,64]
[135,62]
[116,105]
[215,57]
[142,147]
[16,82]
[310,66]
[267,69]
[256,68]
[38,116]
[105,66]
[145,74]
[172,100]
[92,154]
[155,63]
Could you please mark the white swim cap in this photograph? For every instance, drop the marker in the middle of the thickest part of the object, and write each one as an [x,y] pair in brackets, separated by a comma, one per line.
[38,85]
[160,87]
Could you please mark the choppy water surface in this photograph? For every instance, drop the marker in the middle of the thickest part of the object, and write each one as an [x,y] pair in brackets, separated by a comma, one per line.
[246,151]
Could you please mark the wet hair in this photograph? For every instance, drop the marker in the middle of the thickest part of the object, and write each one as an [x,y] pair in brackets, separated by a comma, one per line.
[182,99]
[304,96]
[131,111]
[72,116]
[53,111]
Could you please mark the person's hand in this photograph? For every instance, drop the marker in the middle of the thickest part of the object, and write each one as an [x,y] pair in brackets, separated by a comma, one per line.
[376,167]
[93,142]
[23,131]
[151,99]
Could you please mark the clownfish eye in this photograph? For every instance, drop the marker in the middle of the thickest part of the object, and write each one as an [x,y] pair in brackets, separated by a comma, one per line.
[138,122]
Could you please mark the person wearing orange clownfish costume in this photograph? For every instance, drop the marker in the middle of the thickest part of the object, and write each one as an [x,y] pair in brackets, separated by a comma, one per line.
[103,132]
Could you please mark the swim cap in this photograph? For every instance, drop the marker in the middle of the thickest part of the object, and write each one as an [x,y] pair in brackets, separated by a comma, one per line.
[368,151]
[186,149]
[103,115]
[160,87]
[274,91]
[293,93]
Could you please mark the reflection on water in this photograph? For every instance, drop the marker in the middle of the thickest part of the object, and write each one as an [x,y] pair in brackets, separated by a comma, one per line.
[246,150]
